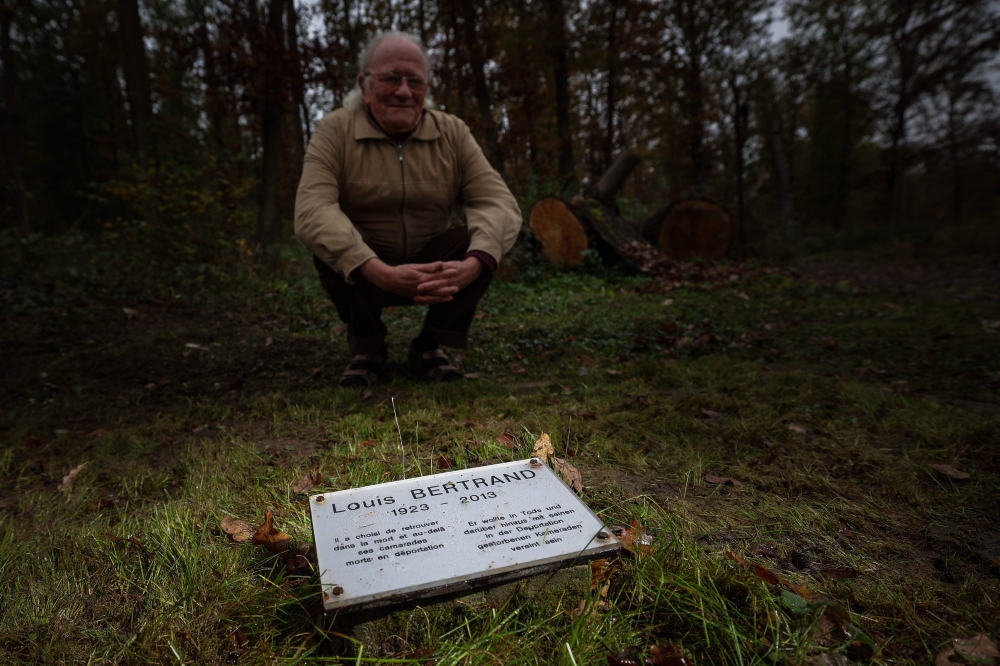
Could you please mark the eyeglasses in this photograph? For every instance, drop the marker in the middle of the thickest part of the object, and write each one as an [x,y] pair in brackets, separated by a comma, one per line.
[395,79]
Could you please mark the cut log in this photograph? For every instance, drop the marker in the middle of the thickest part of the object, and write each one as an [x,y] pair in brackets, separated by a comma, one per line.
[615,235]
[614,177]
[694,228]
[558,230]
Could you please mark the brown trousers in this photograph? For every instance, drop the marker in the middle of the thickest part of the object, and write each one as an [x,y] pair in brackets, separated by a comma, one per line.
[360,305]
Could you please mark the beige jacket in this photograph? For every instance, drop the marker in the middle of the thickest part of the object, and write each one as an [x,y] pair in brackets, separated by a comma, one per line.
[401,194]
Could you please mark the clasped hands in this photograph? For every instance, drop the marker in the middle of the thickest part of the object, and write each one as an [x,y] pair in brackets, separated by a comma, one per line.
[426,284]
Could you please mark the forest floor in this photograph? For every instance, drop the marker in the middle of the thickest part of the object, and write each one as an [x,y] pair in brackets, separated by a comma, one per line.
[133,425]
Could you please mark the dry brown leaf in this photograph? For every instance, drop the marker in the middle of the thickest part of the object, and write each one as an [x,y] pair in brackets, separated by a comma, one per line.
[67,480]
[507,440]
[712,478]
[570,474]
[798,429]
[445,463]
[711,414]
[33,441]
[367,394]
[271,538]
[543,448]
[735,557]
[309,481]
[950,471]
[237,529]
[979,650]
[130,313]
[892,306]
[634,538]
[238,638]
[468,423]
[337,330]
[766,574]
[368,442]
[667,654]
[844,530]
[630,656]
[115,538]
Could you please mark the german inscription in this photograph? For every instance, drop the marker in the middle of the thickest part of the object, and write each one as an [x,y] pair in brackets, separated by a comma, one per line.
[395,540]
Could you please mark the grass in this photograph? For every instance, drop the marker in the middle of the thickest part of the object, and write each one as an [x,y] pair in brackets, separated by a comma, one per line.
[129,564]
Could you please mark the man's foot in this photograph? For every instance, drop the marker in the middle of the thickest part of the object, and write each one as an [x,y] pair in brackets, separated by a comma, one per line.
[433,364]
[364,370]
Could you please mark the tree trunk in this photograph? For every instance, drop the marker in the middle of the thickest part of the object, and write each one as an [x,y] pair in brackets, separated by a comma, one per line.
[847,149]
[559,230]
[740,116]
[207,49]
[782,172]
[559,51]
[273,99]
[480,88]
[611,101]
[12,123]
[613,179]
[297,84]
[136,69]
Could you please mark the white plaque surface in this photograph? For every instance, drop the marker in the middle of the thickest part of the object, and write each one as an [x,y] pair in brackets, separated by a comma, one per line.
[432,534]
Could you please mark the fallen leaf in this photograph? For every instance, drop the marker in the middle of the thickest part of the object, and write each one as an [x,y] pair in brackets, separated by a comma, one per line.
[507,440]
[723,480]
[271,538]
[735,557]
[977,649]
[337,330]
[445,463]
[543,448]
[631,656]
[297,564]
[130,313]
[587,415]
[766,574]
[101,504]
[840,573]
[268,341]
[570,474]
[237,529]
[711,414]
[798,429]
[367,394]
[195,345]
[368,442]
[667,654]
[950,471]
[764,550]
[830,343]
[33,440]
[743,295]
[308,481]
[471,375]
[668,302]
[801,590]
[112,537]
[634,538]
[892,306]
[238,639]
[67,480]
[844,530]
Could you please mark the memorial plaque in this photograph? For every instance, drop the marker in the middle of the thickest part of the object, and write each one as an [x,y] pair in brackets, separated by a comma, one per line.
[446,532]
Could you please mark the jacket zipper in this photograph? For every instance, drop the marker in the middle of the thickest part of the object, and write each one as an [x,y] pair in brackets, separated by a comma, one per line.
[402,205]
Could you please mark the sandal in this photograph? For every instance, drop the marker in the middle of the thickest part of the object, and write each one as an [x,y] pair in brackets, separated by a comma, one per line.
[434,365]
[364,370]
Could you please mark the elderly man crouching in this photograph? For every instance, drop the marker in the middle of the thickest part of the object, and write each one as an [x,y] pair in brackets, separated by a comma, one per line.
[380,181]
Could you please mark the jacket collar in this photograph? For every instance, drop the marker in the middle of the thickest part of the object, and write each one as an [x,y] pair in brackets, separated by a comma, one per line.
[365,127]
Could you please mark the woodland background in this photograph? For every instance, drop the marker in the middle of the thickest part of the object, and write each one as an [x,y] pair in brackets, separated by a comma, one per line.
[183,124]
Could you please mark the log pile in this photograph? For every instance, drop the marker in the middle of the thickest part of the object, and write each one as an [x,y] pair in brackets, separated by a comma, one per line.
[687,229]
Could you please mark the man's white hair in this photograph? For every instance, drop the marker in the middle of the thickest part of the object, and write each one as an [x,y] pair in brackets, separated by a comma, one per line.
[354,99]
